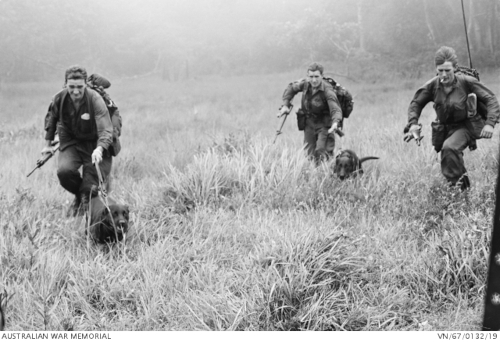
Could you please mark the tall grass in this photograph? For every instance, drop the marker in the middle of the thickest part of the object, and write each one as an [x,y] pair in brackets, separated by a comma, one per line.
[231,232]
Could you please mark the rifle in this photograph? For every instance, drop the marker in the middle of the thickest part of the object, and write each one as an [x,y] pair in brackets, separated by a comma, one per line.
[278,132]
[43,160]
[339,132]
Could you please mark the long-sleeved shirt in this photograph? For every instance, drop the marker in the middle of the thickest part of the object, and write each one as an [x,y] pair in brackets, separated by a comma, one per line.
[322,101]
[91,121]
[452,108]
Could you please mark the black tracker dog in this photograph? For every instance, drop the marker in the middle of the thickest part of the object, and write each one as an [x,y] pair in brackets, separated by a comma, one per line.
[108,225]
[348,164]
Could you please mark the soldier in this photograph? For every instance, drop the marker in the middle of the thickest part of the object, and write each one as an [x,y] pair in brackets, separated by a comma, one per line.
[457,98]
[85,132]
[320,114]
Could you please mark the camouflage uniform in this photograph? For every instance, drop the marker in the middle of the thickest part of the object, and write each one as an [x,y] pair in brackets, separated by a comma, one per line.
[80,132]
[321,108]
[459,131]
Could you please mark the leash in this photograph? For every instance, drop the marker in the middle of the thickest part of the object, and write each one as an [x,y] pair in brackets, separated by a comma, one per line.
[338,134]
[101,187]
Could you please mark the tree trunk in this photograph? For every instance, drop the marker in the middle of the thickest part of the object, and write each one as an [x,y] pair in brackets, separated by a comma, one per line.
[474,28]
[428,22]
[471,14]
[361,26]
[165,75]
[492,27]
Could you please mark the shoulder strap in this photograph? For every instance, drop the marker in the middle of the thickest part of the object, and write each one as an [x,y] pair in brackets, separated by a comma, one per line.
[88,98]
[463,80]
[59,101]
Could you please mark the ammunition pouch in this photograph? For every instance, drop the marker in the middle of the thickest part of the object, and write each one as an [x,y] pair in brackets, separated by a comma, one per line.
[301,119]
[439,133]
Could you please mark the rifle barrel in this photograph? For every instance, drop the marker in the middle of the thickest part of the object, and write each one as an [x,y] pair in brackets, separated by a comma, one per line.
[278,132]
[40,162]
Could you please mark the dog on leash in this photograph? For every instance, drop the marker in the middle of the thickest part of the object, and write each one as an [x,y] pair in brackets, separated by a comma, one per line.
[108,225]
[348,164]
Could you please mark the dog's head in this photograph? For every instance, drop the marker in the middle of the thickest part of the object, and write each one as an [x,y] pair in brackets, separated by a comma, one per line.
[114,223]
[346,165]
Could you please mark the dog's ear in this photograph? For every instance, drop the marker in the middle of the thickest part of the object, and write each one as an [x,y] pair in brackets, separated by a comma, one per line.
[105,214]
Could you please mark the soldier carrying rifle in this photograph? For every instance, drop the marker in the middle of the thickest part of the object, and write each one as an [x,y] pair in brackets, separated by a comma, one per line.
[81,118]
[320,114]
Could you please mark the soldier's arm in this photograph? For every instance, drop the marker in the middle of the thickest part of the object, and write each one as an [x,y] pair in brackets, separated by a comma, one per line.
[51,119]
[292,90]
[486,96]
[333,105]
[103,122]
[422,97]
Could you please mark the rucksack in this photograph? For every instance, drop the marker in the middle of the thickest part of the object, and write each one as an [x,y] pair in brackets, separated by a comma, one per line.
[99,84]
[343,95]
[467,71]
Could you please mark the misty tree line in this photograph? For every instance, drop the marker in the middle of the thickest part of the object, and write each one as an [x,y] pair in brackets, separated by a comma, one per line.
[173,40]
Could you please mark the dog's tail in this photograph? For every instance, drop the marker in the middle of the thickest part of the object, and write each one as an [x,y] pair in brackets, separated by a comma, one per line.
[366,158]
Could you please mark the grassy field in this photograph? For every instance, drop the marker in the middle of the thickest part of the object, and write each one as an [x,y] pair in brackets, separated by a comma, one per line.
[231,232]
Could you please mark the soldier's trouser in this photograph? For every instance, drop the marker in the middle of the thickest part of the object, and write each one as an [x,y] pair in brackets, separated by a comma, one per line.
[318,143]
[80,155]
[452,161]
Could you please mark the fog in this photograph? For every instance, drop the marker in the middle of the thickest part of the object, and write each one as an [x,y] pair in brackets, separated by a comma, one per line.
[180,39]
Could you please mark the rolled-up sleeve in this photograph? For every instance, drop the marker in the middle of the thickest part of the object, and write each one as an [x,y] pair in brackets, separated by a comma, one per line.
[333,104]
[292,90]
[103,122]
[422,97]
[489,99]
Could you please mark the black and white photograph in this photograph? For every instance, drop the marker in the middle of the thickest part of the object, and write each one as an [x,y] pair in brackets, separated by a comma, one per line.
[217,166]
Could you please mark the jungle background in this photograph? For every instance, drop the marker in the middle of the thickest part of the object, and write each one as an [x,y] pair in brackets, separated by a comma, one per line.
[177,39]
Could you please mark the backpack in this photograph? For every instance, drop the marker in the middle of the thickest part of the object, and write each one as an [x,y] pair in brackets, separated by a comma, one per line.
[467,71]
[99,84]
[343,95]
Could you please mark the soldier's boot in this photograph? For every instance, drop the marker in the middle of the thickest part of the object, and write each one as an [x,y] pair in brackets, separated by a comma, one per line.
[463,183]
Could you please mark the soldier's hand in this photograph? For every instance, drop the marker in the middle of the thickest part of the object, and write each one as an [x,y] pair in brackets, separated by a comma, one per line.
[283,110]
[414,133]
[487,132]
[97,155]
[47,150]
[334,127]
